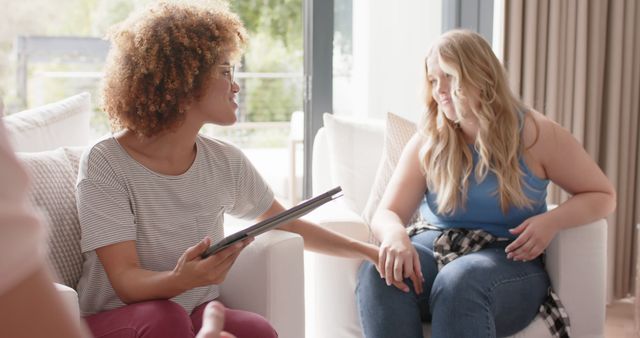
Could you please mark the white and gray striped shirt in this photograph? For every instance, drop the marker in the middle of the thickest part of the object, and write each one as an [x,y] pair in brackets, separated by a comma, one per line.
[121,200]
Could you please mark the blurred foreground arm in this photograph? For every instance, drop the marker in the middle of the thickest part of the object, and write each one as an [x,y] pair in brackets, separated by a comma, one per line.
[30,306]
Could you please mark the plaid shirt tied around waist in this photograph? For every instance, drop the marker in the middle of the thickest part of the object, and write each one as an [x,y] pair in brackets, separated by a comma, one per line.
[453,243]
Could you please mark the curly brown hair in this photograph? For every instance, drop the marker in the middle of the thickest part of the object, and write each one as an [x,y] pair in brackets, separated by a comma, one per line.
[160,61]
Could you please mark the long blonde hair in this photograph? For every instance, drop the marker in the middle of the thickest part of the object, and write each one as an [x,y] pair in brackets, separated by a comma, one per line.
[447,161]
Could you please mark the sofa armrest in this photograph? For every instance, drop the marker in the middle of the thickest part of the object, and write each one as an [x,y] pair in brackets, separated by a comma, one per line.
[69,298]
[330,282]
[268,278]
[576,263]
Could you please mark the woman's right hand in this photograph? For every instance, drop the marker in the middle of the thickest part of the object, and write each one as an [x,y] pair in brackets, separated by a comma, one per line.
[193,271]
[398,259]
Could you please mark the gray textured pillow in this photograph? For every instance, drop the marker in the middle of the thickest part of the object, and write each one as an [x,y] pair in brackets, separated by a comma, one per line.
[53,193]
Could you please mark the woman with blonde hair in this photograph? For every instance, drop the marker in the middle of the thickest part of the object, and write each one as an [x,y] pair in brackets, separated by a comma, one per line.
[152,196]
[477,171]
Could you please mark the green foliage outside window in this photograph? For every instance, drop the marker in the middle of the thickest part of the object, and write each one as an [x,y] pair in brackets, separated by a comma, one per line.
[275,46]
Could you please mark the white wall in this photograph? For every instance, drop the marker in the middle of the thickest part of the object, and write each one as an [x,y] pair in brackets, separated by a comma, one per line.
[390,41]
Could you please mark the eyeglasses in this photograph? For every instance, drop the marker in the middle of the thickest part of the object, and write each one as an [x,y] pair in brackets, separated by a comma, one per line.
[228,72]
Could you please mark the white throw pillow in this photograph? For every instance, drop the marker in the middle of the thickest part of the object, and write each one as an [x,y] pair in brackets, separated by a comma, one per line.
[398,132]
[354,148]
[53,193]
[60,124]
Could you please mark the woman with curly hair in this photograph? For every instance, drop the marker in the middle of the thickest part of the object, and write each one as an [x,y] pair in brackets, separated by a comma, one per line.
[152,196]
[478,172]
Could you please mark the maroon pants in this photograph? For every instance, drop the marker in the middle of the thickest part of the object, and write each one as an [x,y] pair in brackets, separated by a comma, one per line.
[164,318]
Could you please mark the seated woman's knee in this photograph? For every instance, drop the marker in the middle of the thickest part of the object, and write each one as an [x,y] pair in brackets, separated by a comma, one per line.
[165,312]
[244,324]
[460,280]
[368,276]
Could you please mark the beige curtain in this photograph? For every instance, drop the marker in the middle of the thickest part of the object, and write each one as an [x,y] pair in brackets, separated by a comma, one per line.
[578,61]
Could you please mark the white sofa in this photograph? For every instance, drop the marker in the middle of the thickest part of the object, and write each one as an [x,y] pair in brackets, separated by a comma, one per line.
[575,259]
[267,278]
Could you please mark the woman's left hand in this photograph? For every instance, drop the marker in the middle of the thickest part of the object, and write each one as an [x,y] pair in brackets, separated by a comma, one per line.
[534,235]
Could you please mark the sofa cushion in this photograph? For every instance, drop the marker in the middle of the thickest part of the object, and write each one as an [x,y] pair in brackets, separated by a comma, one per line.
[63,123]
[398,131]
[53,193]
[351,167]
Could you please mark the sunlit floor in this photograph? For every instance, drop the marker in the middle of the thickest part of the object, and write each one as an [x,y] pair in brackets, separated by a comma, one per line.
[620,322]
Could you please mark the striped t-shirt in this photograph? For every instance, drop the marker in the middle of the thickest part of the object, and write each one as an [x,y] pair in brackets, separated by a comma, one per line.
[121,200]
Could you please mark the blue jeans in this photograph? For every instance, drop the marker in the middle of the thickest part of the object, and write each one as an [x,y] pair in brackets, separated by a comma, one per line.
[482,294]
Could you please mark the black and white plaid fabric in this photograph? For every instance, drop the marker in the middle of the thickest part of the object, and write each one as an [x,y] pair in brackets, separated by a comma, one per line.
[453,243]
[555,315]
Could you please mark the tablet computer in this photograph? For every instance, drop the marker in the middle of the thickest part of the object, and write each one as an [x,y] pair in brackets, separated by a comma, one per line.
[272,222]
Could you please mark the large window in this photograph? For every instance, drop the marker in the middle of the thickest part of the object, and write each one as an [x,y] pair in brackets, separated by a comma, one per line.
[379,48]
[343,57]
[367,62]
[50,50]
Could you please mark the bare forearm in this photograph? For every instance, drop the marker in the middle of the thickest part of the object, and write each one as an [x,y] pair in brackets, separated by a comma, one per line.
[328,242]
[136,285]
[386,223]
[582,209]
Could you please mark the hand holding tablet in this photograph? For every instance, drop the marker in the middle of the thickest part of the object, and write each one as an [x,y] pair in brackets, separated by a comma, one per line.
[272,222]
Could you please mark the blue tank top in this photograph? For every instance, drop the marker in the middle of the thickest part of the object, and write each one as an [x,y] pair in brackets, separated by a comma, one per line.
[483,210]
